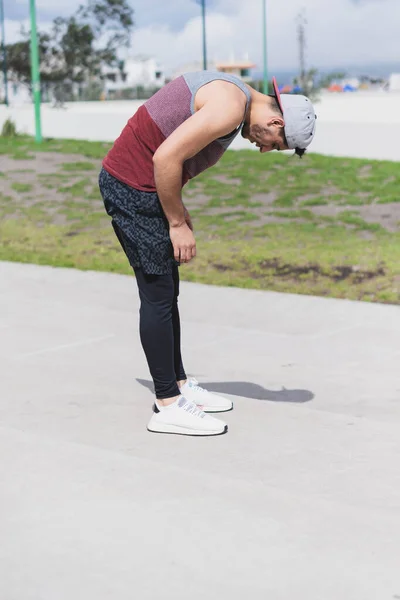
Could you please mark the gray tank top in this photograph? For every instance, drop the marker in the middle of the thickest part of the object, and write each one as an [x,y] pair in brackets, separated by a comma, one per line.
[196,80]
[173,105]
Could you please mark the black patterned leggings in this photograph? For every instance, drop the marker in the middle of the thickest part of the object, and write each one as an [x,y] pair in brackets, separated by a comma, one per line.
[160,330]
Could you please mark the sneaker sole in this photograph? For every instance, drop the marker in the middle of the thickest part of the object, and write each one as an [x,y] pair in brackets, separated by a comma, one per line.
[206,409]
[172,429]
[213,409]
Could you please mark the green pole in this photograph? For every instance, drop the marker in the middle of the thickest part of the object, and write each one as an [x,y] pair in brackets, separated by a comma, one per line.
[265,84]
[203,12]
[35,73]
[4,53]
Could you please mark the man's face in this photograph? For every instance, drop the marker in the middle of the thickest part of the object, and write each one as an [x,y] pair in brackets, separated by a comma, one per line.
[266,137]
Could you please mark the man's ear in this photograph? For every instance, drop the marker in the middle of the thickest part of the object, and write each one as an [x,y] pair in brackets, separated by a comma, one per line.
[277,121]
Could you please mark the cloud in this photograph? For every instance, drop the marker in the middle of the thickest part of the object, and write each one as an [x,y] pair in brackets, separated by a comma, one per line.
[340,33]
[156,12]
[13,29]
[46,11]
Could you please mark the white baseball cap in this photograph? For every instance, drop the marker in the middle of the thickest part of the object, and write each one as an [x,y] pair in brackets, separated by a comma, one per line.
[299,116]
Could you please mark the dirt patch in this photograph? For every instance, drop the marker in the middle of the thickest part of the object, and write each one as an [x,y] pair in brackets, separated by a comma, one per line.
[259,219]
[266,199]
[45,175]
[197,201]
[227,180]
[330,210]
[270,218]
[389,180]
[363,195]
[223,210]
[275,267]
[365,171]
[42,163]
[307,197]
[366,235]
[336,273]
[387,215]
[331,190]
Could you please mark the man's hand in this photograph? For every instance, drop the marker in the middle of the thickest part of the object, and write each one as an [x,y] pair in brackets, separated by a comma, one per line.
[183,243]
[188,218]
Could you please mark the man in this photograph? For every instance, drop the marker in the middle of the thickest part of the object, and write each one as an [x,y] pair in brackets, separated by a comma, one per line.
[182,130]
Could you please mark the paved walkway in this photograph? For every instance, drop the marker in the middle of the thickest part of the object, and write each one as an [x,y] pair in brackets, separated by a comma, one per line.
[301,500]
[360,125]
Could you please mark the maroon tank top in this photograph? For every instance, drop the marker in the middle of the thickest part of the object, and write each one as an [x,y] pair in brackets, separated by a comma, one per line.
[131,158]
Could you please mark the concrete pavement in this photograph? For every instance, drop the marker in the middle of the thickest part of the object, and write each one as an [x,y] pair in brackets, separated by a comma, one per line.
[301,499]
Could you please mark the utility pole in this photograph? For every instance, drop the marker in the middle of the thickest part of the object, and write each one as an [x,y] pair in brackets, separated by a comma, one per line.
[301,36]
[4,53]
[203,12]
[264,20]
[35,73]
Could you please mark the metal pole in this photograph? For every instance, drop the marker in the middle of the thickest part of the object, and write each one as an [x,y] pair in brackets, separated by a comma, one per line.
[35,72]
[203,10]
[301,35]
[265,84]
[4,53]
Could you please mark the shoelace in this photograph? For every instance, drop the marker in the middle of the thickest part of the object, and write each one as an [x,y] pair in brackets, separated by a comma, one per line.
[194,384]
[191,408]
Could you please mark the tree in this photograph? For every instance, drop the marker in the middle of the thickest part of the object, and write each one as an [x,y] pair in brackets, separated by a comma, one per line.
[77,47]
[73,52]
[18,59]
[113,18]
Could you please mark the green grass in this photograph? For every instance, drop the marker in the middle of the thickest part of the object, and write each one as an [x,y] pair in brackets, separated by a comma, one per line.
[78,166]
[77,189]
[351,218]
[239,244]
[318,201]
[25,145]
[21,187]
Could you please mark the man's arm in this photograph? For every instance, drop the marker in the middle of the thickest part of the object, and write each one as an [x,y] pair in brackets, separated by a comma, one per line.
[216,118]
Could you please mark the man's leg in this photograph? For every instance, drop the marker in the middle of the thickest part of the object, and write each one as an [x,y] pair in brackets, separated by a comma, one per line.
[157,296]
[179,369]
[173,413]
[191,389]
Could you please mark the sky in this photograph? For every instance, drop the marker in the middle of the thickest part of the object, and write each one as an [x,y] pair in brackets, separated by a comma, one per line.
[340,33]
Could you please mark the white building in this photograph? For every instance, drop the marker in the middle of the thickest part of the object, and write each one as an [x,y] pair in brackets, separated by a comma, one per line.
[394,82]
[240,68]
[143,71]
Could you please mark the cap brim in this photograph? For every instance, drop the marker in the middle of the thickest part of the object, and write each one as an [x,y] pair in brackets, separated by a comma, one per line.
[277,94]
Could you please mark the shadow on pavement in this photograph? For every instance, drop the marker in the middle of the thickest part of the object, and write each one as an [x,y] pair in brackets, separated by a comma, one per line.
[246,389]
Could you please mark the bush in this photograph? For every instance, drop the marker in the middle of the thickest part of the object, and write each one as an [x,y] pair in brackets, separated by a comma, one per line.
[9,129]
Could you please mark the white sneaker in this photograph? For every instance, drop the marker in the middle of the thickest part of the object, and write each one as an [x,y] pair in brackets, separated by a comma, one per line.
[185,418]
[207,401]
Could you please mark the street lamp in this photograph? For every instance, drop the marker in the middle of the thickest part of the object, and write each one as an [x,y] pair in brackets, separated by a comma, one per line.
[203,12]
[35,72]
[265,85]
[4,53]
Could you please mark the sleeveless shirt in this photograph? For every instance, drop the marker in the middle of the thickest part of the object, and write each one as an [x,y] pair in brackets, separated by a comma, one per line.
[131,158]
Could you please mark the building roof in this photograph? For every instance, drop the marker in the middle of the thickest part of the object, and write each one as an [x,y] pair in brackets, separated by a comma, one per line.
[244,64]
